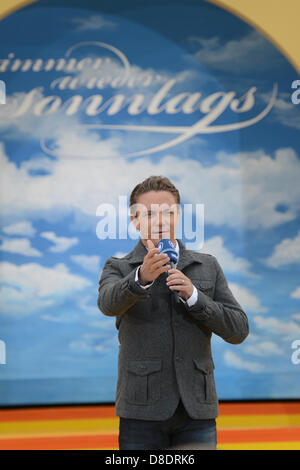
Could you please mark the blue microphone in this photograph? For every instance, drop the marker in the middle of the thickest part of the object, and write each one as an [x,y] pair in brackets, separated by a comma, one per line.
[166,246]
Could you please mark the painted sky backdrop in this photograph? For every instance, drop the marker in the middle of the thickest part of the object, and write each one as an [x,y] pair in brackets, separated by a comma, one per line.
[99,97]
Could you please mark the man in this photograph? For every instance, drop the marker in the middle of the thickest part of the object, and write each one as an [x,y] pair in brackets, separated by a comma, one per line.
[166,396]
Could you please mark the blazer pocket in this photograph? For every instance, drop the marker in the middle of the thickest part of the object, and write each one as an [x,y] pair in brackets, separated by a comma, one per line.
[143,382]
[204,382]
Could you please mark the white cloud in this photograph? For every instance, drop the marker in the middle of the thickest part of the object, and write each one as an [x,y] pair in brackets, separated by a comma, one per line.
[61,243]
[23,227]
[81,144]
[247,53]
[21,246]
[246,299]
[95,318]
[236,361]
[268,183]
[264,349]
[120,254]
[22,301]
[286,329]
[31,287]
[296,293]
[248,187]
[284,111]
[51,318]
[93,22]
[61,317]
[90,263]
[100,343]
[286,252]
[28,125]
[229,262]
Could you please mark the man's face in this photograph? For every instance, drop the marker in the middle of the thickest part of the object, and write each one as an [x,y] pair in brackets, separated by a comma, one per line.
[157,216]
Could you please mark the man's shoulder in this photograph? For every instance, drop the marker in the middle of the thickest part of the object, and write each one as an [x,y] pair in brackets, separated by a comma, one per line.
[120,262]
[120,258]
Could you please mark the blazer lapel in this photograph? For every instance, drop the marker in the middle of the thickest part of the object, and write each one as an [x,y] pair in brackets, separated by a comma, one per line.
[136,256]
[186,257]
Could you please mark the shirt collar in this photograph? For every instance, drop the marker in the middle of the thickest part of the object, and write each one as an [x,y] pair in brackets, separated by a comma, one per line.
[177,247]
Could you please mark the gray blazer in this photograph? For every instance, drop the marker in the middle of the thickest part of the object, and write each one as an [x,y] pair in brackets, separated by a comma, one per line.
[165,347]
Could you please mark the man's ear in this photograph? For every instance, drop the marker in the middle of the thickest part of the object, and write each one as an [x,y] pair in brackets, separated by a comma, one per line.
[135,222]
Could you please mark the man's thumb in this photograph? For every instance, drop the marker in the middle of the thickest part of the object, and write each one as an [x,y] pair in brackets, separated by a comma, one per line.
[150,244]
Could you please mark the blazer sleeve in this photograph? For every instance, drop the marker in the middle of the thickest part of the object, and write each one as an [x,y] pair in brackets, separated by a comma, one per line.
[117,293]
[222,315]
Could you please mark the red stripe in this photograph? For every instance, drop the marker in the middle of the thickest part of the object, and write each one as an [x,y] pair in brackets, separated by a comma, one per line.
[259,408]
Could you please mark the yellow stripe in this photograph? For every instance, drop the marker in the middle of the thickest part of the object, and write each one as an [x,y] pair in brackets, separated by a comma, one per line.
[111,425]
[258,421]
[104,426]
[286,445]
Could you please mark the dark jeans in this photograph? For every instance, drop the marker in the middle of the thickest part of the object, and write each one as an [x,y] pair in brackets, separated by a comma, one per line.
[178,432]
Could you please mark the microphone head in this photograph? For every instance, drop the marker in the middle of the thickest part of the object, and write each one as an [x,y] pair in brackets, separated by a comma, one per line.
[166,246]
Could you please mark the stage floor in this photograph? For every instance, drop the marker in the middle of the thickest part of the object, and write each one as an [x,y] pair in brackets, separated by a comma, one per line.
[263,425]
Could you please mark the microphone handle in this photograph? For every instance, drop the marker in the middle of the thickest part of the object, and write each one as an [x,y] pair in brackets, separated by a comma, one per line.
[175,293]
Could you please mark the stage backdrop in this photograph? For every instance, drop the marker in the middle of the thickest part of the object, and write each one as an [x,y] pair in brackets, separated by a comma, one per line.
[99,96]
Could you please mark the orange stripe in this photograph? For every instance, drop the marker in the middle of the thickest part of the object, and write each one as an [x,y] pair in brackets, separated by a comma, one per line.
[103,411]
[258,435]
[45,414]
[259,408]
[59,443]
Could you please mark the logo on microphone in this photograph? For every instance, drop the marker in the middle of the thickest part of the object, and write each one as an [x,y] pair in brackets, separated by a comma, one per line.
[166,246]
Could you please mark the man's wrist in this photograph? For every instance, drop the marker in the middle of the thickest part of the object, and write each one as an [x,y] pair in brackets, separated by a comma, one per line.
[138,280]
[193,298]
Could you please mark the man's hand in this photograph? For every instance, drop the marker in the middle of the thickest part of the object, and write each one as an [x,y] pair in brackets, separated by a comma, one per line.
[153,263]
[174,281]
